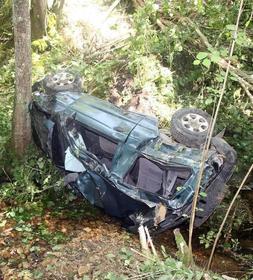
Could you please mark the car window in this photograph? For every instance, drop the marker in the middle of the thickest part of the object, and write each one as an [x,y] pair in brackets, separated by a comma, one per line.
[99,145]
[155,178]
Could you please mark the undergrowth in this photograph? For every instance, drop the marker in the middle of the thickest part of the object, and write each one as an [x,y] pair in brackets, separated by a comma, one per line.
[162,268]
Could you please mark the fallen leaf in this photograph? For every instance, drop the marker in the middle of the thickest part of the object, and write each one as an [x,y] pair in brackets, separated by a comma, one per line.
[87,229]
[84,269]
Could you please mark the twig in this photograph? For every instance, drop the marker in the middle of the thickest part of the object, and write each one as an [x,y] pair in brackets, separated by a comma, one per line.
[108,47]
[143,255]
[197,189]
[7,175]
[146,275]
[150,242]
[230,226]
[226,216]
[111,8]
[244,86]
[210,133]
[150,275]
[143,239]
[249,20]
[201,35]
[46,189]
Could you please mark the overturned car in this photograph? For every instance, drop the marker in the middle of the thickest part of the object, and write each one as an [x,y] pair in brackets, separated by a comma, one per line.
[120,161]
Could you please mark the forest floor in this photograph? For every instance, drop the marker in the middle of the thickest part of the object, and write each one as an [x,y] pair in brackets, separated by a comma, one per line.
[81,242]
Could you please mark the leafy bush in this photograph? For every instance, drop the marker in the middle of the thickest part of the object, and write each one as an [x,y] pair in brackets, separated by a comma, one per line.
[31,176]
[164,268]
[6,107]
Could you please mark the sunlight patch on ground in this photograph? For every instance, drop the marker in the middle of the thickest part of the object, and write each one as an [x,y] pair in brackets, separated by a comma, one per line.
[89,24]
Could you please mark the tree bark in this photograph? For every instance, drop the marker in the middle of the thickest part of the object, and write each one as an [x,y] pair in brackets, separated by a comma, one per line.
[57,8]
[21,128]
[38,18]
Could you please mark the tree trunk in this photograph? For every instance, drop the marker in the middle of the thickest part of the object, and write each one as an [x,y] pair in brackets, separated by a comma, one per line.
[38,18]
[57,9]
[58,6]
[21,131]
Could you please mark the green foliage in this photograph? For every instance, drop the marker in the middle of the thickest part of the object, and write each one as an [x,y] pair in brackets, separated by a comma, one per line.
[207,239]
[199,84]
[23,216]
[148,49]
[169,269]
[126,256]
[31,177]
[99,76]
[6,106]
[5,28]
[165,268]
[196,76]
[241,215]
[35,191]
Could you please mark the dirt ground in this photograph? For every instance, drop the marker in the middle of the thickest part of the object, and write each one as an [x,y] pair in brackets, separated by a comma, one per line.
[95,246]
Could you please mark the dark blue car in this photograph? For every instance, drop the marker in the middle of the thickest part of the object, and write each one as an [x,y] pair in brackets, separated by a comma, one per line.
[120,161]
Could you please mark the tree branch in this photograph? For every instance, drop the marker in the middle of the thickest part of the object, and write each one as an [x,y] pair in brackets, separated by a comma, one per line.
[245,80]
[246,87]
[222,62]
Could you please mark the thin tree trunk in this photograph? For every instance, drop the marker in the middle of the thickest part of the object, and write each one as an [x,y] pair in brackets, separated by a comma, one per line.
[38,18]
[21,133]
[57,8]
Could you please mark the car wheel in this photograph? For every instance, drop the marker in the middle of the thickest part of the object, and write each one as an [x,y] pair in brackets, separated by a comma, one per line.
[62,81]
[189,126]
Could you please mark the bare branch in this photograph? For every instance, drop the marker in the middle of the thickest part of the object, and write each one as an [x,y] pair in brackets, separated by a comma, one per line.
[226,216]
[210,132]
[201,35]
[246,86]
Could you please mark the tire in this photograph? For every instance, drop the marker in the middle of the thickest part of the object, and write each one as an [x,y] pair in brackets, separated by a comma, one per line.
[189,126]
[62,81]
